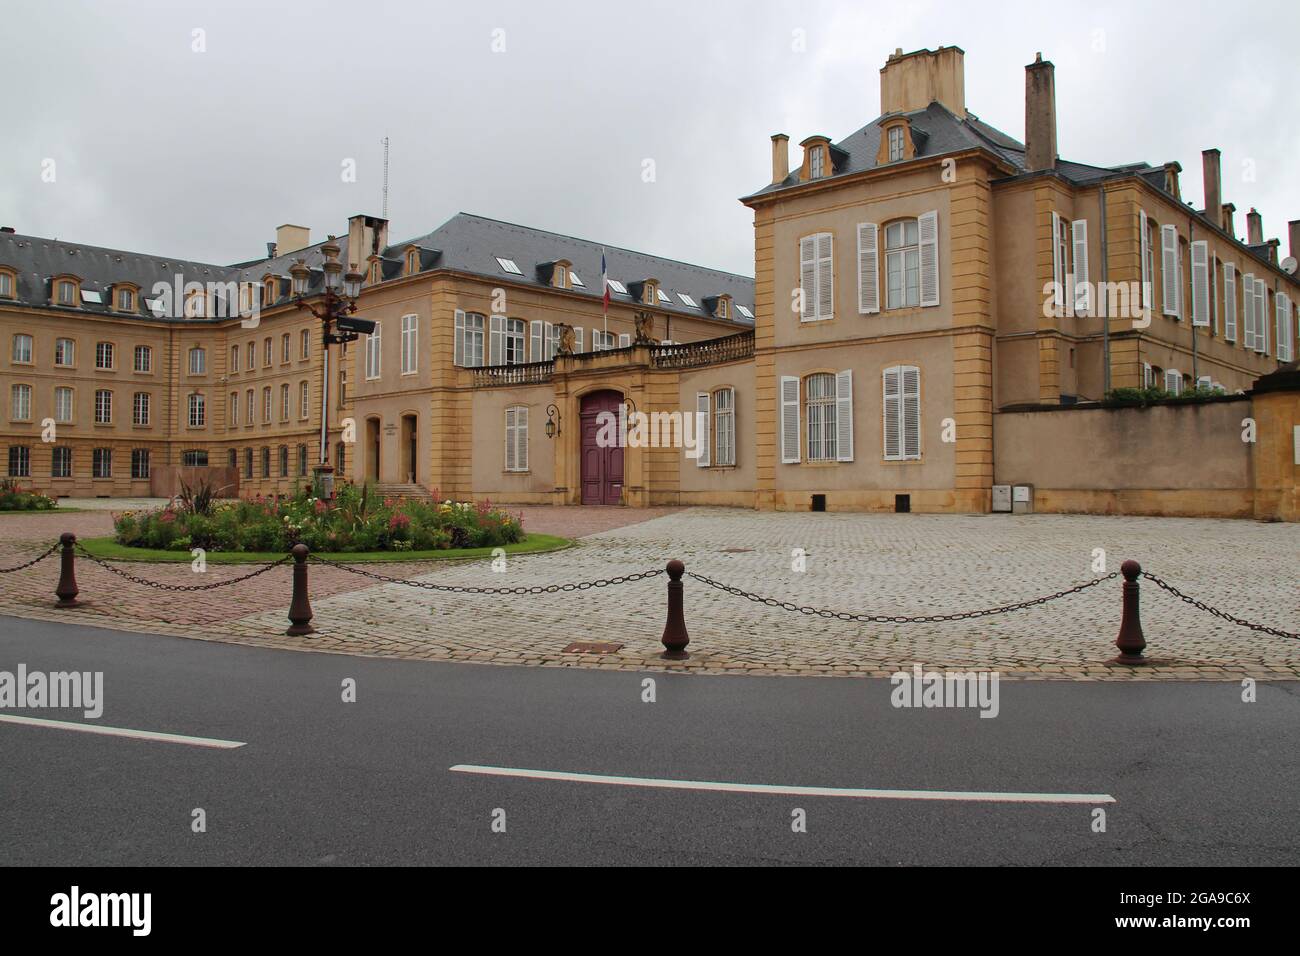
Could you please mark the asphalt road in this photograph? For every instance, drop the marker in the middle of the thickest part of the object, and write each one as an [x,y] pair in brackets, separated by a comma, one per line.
[1198,776]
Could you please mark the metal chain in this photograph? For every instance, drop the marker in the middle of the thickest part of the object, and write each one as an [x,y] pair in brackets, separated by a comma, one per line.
[470,589]
[37,560]
[896,618]
[1201,605]
[181,587]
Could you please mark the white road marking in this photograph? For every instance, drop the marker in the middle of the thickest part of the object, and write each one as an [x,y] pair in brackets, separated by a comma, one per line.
[970,796]
[122,732]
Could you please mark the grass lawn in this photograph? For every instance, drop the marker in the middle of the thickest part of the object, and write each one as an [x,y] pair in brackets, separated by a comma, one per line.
[532,544]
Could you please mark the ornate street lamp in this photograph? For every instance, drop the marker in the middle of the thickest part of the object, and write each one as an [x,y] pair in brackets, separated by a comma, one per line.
[335,305]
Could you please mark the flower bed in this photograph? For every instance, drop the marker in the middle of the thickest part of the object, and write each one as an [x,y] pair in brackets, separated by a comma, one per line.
[13,498]
[356,521]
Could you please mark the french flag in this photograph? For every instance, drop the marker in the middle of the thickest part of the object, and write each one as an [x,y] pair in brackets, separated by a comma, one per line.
[604,282]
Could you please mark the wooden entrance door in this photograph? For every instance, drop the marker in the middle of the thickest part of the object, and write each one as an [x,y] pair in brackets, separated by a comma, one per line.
[602,468]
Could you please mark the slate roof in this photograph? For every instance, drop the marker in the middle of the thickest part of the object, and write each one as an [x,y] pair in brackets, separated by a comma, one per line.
[465,243]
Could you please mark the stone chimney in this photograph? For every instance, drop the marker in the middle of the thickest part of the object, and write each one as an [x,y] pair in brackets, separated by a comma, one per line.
[1254,227]
[780,157]
[1040,115]
[912,81]
[289,238]
[1293,238]
[1229,219]
[367,235]
[1213,186]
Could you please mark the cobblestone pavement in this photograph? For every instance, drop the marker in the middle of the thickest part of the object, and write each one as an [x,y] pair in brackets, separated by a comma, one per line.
[882,564]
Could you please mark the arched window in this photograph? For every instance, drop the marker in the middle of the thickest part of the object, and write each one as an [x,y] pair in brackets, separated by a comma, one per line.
[902,264]
[820,415]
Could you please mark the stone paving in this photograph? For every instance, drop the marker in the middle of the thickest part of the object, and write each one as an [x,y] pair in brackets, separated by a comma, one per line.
[882,564]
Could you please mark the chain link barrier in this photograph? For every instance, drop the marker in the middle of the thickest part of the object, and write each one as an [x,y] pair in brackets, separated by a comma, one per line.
[895,618]
[162,586]
[472,589]
[1224,615]
[37,560]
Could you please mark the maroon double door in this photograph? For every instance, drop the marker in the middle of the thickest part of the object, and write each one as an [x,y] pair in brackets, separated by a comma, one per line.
[602,468]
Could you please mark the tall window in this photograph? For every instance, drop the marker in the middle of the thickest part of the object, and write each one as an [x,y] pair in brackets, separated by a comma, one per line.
[266,462]
[515,342]
[61,462]
[139,463]
[67,293]
[284,461]
[302,461]
[143,358]
[284,402]
[20,461]
[198,411]
[62,404]
[234,408]
[895,144]
[103,407]
[198,361]
[724,426]
[23,349]
[140,408]
[266,353]
[103,355]
[6,285]
[266,405]
[820,392]
[304,400]
[248,463]
[125,300]
[517,438]
[65,353]
[20,403]
[469,339]
[817,162]
[373,351]
[101,463]
[410,329]
[902,264]
[250,358]
[284,347]
[250,409]
[340,459]
[304,344]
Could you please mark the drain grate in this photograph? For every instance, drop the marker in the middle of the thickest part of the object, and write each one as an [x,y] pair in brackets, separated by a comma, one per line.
[592,647]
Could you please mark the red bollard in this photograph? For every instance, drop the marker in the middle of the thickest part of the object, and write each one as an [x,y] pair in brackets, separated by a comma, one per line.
[1130,641]
[67,592]
[300,607]
[675,638]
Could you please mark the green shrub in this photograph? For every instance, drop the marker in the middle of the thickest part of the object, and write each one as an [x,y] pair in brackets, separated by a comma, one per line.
[13,498]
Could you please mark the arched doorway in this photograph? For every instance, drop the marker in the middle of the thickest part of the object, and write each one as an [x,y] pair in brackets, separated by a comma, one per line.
[410,449]
[372,449]
[601,468]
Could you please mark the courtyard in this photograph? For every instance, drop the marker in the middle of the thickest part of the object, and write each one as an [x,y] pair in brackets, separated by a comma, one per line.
[889,565]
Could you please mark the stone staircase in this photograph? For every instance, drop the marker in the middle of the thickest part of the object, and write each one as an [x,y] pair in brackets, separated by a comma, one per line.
[402,491]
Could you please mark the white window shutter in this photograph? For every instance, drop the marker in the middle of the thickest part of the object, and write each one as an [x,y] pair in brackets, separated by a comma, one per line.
[497,340]
[1173,381]
[1079,239]
[893,404]
[808,278]
[521,430]
[535,341]
[927,227]
[702,425]
[1146,374]
[825,276]
[1169,269]
[552,341]
[1058,267]
[624,340]
[789,419]
[458,341]
[510,439]
[1248,310]
[844,415]
[577,339]
[1200,283]
[1261,316]
[1229,303]
[1144,250]
[911,425]
[868,268]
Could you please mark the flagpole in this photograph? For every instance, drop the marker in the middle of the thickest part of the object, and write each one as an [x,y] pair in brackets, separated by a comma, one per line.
[604,292]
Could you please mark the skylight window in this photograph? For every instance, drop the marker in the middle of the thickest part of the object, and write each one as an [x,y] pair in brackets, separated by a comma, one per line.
[663,297]
[89,296]
[156,306]
[508,265]
[744,311]
[687,300]
[618,286]
[574,280]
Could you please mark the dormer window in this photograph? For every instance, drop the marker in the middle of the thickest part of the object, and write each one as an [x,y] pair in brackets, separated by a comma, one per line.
[649,292]
[724,307]
[6,284]
[66,292]
[125,300]
[817,162]
[376,273]
[270,289]
[895,143]
[560,274]
[412,261]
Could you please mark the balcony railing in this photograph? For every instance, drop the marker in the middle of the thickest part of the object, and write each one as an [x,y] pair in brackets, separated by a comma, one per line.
[530,373]
[709,352]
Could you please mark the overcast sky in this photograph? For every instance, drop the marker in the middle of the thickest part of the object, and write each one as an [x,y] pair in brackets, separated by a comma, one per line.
[161,149]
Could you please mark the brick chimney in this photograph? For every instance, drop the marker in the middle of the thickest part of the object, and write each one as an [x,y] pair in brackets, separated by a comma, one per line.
[1040,115]
[780,157]
[1254,227]
[289,238]
[1293,238]
[1213,186]
[912,81]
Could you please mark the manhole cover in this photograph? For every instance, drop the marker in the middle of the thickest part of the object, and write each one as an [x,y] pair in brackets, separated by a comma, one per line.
[592,647]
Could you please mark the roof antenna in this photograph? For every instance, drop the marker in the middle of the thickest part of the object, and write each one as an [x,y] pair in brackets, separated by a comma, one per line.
[385,214]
